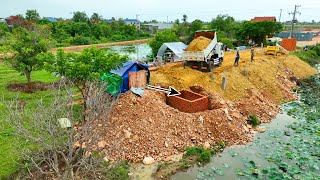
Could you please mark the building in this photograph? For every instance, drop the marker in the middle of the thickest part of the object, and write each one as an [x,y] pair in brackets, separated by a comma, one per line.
[14,21]
[133,22]
[51,19]
[264,18]
[155,27]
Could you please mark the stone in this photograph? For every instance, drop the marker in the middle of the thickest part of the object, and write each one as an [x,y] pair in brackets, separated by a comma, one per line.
[201,119]
[166,144]
[148,160]
[206,146]
[130,174]
[127,134]
[106,159]
[76,145]
[102,144]
[261,129]
[245,128]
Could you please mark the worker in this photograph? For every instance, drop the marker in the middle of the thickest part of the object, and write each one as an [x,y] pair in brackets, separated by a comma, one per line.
[252,54]
[236,62]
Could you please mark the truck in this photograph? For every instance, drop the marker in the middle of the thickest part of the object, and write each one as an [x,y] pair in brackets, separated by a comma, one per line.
[209,57]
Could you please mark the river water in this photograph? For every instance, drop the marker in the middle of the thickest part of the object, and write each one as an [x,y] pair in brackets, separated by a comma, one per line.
[227,164]
[134,52]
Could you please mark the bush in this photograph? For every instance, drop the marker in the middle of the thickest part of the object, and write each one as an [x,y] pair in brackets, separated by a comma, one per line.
[254,121]
[192,151]
[119,172]
[80,40]
[228,42]
[204,156]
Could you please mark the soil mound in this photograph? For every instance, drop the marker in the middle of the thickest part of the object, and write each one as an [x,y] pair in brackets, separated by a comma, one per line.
[198,44]
[147,126]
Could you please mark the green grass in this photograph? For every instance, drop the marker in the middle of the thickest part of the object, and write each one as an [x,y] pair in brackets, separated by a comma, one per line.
[9,159]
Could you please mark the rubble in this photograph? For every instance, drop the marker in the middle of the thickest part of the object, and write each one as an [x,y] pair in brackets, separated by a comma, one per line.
[148,160]
[261,129]
[198,44]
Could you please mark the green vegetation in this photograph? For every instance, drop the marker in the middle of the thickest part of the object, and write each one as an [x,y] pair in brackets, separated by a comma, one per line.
[25,46]
[119,171]
[81,30]
[9,159]
[160,38]
[311,56]
[254,120]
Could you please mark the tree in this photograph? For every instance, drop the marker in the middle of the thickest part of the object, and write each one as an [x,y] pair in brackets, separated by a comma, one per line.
[82,68]
[59,152]
[196,25]
[184,19]
[225,24]
[26,46]
[257,31]
[96,18]
[160,38]
[177,21]
[80,17]
[32,15]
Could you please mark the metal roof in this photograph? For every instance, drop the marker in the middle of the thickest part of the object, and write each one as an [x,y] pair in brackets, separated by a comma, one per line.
[51,19]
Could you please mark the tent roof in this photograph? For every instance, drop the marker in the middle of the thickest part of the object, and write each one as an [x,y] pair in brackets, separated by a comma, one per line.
[126,66]
[176,47]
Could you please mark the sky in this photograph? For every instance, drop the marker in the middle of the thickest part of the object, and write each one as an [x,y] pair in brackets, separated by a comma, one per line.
[163,10]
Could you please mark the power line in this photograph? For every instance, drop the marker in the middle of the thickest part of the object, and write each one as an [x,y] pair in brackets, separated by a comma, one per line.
[294,18]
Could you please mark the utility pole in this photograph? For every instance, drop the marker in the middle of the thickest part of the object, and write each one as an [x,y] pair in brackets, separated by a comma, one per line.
[294,18]
[167,19]
[137,18]
[280,15]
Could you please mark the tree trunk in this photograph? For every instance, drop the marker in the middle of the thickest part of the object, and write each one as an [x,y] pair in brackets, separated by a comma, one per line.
[28,75]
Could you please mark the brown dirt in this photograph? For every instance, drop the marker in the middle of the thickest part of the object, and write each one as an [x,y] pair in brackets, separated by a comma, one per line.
[147,126]
[140,127]
[198,44]
[31,87]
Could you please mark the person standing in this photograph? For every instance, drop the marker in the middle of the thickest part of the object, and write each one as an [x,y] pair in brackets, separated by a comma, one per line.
[236,62]
[252,54]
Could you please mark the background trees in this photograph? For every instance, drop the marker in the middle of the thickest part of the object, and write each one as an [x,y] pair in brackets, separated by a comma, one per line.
[79,16]
[160,38]
[32,15]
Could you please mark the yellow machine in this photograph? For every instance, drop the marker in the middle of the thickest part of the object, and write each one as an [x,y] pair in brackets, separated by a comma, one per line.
[273,50]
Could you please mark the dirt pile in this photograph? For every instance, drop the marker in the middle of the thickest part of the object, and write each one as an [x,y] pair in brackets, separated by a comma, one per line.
[146,126]
[198,44]
[262,75]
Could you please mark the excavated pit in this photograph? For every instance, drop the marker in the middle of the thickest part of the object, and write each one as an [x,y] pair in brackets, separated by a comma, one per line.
[189,102]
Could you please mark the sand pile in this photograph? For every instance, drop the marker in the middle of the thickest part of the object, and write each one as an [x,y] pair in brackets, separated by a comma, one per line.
[147,126]
[198,44]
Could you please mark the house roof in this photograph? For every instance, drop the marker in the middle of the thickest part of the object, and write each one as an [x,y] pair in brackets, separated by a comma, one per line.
[131,20]
[161,26]
[51,19]
[265,18]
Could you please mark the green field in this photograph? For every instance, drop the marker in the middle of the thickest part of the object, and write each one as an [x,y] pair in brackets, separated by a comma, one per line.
[8,157]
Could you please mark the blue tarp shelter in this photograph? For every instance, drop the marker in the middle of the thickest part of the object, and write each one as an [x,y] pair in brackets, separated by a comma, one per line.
[130,66]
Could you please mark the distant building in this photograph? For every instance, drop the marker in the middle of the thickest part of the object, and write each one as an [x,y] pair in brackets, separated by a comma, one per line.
[265,18]
[127,21]
[51,19]
[155,27]
[133,22]
[2,20]
[14,21]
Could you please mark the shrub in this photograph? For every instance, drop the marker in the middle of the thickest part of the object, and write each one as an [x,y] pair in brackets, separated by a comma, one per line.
[192,151]
[205,156]
[254,121]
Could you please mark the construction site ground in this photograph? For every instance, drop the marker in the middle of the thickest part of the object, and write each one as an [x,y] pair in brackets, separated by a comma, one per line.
[146,126]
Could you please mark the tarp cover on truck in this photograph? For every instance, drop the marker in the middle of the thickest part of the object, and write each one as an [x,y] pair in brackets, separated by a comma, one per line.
[176,47]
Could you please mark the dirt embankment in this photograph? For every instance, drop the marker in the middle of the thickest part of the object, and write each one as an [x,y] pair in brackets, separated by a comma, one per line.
[146,126]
